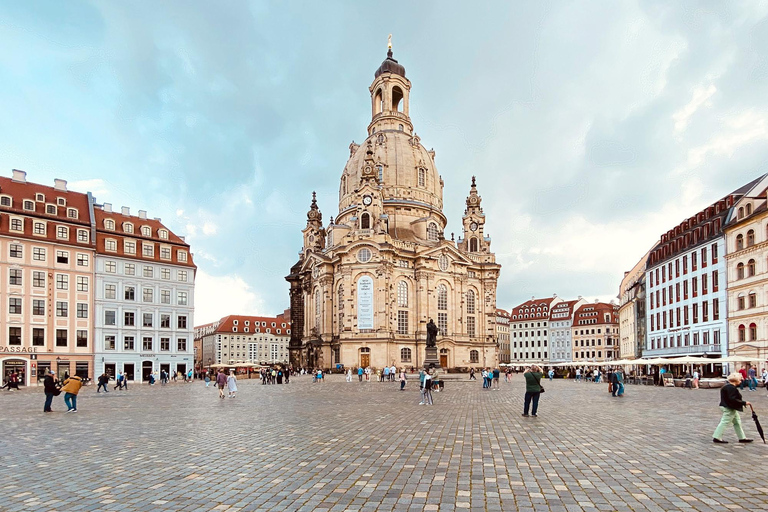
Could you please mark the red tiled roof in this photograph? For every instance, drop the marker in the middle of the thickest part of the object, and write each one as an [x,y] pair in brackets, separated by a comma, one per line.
[227,324]
[586,311]
[530,307]
[174,241]
[25,191]
[565,306]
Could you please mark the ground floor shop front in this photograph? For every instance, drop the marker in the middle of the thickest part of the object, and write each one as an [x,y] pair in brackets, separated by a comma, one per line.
[138,367]
[30,368]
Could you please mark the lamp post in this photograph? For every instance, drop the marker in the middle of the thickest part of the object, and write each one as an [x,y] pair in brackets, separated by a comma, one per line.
[58,362]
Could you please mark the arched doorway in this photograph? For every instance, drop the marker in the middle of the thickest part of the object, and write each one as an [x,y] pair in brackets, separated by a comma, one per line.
[146,370]
[365,357]
[444,358]
[17,366]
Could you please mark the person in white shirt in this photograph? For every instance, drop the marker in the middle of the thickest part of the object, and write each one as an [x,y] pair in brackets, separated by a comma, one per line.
[392,372]
[578,374]
[696,379]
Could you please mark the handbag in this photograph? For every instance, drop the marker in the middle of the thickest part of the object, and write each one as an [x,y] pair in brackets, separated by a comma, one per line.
[57,392]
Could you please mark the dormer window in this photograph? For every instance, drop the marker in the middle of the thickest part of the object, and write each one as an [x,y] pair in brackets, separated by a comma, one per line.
[146,231]
[127,227]
[6,201]
[163,233]
[247,322]
[235,322]
[182,256]
[29,205]
[50,209]
[72,213]
[40,197]
[61,201]
[109,224]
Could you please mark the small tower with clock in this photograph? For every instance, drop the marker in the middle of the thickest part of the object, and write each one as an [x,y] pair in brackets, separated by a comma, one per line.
[314,234]
[370,206]
[474,240]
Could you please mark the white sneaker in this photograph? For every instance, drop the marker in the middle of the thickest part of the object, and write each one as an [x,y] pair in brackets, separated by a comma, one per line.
[421,403]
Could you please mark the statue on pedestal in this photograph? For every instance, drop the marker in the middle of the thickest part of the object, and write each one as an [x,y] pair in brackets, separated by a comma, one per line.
[431,334]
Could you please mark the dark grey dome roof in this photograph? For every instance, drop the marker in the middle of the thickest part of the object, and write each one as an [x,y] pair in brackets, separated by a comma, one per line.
[390,65]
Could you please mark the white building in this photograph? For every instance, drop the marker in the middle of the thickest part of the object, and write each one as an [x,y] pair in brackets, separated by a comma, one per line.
[246,339]
[528,330]
[560,323]
[145,284]
[686,297]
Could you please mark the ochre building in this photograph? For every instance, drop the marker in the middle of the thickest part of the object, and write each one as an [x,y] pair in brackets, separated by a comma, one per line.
[367,283]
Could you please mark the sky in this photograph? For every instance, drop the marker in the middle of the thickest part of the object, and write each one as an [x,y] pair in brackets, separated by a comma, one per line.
[592,127]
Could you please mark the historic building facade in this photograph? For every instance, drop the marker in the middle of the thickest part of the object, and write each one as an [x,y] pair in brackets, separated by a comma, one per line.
[366,284]
[560,323]
[247,339]
[632,329]
[502,335]
[145,284]
[595,332]
[46,271]
[746,234]
[686,301]
[528,330]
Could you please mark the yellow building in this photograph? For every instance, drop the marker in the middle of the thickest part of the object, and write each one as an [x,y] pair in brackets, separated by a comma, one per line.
[746,238]
[366,285]
[632,329]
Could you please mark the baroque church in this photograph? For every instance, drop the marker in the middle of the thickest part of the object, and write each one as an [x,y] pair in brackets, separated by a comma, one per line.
[367,283]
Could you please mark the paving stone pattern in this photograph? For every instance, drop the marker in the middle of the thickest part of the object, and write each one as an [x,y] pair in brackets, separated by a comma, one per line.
[340,446]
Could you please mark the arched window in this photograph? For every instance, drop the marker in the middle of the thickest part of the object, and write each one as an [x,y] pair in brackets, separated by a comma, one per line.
[405,355]
[442,297]
[750,268]
[365,221]
[422,177]
[378,102]
[740,301]
[400,127]
[380,173]
[739,242]
[473,244]
[474,356]
[749,208]
[742,333]
[397,98]
[752,300]
[340,307]
[741,213]
[343,185]
[317,310]
[402,294]
[471,302]
[750,238]
[752,332]
[433,233]
[740,271]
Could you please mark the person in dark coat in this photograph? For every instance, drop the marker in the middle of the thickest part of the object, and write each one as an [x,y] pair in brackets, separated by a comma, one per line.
[731,404]
[50,389]
[103,380]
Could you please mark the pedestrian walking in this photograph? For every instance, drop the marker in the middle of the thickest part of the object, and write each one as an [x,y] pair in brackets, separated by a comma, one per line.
[485,378]
[495,375]
[402,379]
[71,388]
[765,378]
[119,381]
[385,375]
[232,384]
[696,379]
[426,388]
[207,380]
[50,389]
[12,382]
[578,374]
[551,374]
[392,372]
[752,376]
[731,404]
[472,374]
[533,389]
[102,382]
[360,374]
[189,375]
[349,374]
[617,380]
[221,381]
[743,372]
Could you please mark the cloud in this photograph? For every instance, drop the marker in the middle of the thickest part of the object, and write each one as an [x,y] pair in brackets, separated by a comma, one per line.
[218,296]
[700,97]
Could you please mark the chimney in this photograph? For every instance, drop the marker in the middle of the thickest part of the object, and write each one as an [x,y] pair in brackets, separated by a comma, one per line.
[19,176]
[125,210]
[158,219]
[579,297]
[107,207]
[183,238]
[142,214]
[60,185]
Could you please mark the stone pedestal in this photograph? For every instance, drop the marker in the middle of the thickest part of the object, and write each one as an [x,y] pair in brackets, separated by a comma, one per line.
[430,358]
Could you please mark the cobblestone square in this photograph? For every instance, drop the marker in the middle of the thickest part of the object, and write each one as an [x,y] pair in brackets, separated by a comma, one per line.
[367,446]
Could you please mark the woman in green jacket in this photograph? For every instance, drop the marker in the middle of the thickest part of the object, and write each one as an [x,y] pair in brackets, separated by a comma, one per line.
[533,389]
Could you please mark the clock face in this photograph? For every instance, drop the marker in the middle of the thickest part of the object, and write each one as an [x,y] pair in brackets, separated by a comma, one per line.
[473,226]
[367,200]
[367,170]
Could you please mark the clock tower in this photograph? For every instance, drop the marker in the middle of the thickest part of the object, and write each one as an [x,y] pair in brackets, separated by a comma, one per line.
[474,239]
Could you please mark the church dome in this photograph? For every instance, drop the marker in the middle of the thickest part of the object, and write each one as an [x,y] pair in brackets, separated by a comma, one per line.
[390,65]
[406,171]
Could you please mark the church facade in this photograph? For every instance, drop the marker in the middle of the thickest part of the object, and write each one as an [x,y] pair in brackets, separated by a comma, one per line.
[367,283]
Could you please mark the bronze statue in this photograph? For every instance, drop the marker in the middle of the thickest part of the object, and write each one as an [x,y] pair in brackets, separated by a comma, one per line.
[431,334]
